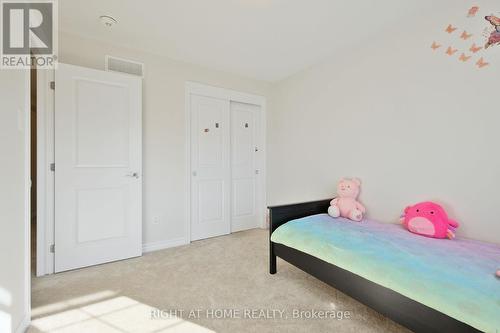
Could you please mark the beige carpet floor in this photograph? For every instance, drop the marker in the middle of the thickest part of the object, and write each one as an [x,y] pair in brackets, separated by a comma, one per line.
[221,284]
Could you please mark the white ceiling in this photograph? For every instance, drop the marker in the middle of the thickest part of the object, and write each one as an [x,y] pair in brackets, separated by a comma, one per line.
[262,39]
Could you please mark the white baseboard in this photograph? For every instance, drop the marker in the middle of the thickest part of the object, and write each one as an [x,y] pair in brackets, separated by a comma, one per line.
[25,323]
[161,245]
[238,228]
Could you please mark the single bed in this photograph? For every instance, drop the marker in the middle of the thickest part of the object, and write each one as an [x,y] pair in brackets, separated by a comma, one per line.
[425,284]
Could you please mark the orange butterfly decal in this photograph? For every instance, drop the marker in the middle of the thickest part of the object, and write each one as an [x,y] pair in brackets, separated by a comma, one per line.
[450,29]
[465,35]
[473,11]
[435,46]
[464,58]
[481,63]
[451,51]
[474,48]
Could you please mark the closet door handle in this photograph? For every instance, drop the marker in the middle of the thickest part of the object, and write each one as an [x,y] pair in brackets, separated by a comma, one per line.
[133,175]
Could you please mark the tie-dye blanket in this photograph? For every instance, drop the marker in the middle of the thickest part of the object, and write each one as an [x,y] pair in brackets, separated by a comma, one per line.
[455,277]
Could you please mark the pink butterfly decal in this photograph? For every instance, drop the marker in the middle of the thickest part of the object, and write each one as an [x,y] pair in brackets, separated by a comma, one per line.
[473,11]
[481,63]
[435,46]
[474,48]
[465,35]
[464,58]
[450,29]
[451,51]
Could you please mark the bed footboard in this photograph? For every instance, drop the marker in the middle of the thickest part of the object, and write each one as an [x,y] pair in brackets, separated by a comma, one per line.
[282,214]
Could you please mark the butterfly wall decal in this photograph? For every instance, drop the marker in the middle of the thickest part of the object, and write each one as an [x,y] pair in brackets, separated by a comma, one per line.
[435,46]
[451,51]
[464,58]
[450,29]
[473,11]
[481,63]
[465,35]
[466,52]
[474,48]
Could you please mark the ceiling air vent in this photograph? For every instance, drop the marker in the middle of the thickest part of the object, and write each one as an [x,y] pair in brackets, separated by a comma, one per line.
[114,64]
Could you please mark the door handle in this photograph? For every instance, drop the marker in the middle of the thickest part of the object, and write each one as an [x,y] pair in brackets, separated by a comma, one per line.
[132,175]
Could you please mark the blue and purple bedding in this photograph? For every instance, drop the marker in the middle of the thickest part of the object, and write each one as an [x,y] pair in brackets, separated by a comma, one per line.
[455,277]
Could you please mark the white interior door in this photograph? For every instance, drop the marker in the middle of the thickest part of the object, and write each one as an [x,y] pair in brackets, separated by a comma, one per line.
[244,166]
[210,169]
[98,175]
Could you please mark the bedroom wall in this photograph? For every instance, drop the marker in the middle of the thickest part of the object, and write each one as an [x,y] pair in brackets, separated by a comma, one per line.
[412,123]
[164,136]
[14,308]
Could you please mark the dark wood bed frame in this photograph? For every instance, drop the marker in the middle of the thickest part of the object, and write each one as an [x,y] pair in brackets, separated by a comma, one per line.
[403,310]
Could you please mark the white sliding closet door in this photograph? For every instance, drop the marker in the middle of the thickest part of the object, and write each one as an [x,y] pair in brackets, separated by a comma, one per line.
[210,167]
[225,166]
[245,120]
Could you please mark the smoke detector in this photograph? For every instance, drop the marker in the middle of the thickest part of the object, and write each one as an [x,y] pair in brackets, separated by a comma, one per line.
[108,21]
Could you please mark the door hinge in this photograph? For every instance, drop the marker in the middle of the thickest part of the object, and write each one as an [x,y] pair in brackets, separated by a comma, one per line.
[53,85]
[52,167]
[53,248]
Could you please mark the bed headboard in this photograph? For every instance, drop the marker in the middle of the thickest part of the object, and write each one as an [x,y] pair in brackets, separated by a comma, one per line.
[281,214]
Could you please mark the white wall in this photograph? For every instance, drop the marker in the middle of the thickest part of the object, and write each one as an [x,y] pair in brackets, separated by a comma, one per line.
[413,124]
[164,127]
[14,266]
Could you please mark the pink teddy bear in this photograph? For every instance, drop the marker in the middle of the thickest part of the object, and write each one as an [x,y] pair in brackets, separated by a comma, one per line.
[345,204]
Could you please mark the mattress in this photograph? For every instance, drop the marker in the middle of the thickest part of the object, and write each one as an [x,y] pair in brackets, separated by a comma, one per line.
[455,277]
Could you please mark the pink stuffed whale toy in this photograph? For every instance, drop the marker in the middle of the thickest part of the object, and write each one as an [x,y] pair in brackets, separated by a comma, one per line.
[429,219]
[345,204]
